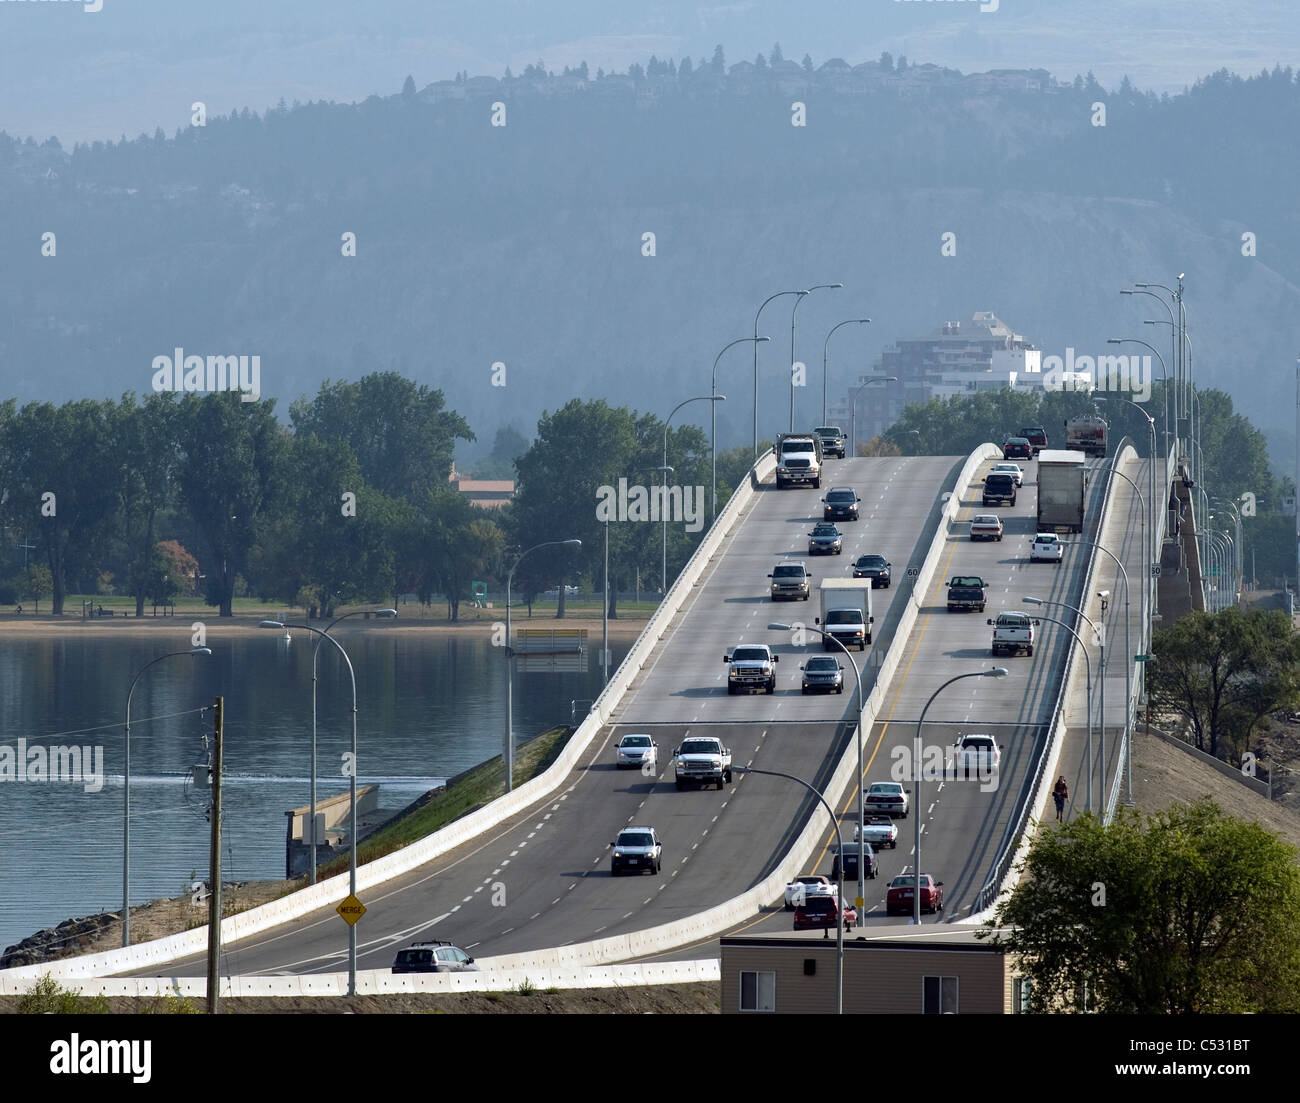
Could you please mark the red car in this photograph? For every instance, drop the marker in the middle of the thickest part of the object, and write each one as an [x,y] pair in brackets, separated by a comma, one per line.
[902,891]
[822,913]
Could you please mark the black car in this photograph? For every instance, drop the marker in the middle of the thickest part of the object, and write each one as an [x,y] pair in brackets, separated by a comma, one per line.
[847,862]
[875,568]
[825,539]
[841,504]
[999,490]
[1017,448]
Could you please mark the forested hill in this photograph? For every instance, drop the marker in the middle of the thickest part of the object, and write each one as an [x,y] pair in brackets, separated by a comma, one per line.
[524,244]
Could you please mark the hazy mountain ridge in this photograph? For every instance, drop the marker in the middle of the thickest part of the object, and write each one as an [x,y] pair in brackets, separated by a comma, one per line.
[523,244]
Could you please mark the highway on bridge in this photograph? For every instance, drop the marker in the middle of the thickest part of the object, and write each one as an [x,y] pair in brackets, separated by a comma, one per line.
[542,879]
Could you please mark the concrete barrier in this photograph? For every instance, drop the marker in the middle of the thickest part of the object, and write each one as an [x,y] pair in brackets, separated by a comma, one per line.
[334,889]
[378,982]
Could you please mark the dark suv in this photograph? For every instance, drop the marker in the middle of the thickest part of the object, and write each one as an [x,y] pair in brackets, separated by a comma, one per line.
[846,862]
[1037,437]
[841,504]
[874,567]
[999,489]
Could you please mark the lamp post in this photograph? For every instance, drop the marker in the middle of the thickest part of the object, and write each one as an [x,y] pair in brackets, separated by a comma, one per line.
[793,311]
[126,792]
[1179,326]
[826,346]
[509,749]
[1087,659]
[1142,289]
[1128,645]
[713,414]
[714,399]
[862,835]
[995,672]
[1164,375]
[1100,639]
[839,902]
[1149,584]
[315,659]
[1239,576]
[853,409]
[756,344]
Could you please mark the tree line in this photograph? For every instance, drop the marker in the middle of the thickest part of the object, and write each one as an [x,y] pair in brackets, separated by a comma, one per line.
[209,495]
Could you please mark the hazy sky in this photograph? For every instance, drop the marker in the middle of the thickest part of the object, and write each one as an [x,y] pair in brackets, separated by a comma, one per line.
[133,65]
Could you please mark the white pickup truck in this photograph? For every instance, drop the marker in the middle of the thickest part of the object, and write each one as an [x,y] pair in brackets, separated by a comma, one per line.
[702,760]
[751,666]
[1012,633]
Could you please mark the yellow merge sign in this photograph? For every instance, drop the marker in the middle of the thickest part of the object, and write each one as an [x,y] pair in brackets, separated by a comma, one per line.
[351,909]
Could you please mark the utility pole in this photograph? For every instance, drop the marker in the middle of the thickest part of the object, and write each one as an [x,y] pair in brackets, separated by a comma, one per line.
[214,865]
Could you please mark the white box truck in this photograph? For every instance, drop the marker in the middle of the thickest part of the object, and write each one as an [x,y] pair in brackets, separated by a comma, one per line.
[846,612]
[1061,483]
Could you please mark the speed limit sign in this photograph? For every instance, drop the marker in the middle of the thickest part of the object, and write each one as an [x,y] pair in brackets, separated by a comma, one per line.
[912,572]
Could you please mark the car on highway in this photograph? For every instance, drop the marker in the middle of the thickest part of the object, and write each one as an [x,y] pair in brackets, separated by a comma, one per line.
[433,957]
[751,666]
[1037,437]
[832,438]
[999,489]
[887,797]
[825,539]
[790,582]
[879,831]
[977,751]
[1013,632]
[636,849]
[902,894]
[812,884]
[986,526]
[636,750]
[824,913]
[1017,448]
[1013,469]
[874,567]
[840,504]
[822,674]
[966,591]
[846,862]
[1046,548]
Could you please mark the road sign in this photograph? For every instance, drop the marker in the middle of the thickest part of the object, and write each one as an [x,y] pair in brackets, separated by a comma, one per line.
[1155,570]
[912,572]
[478,589]
[1142,658]
[351,910]
[1213,572]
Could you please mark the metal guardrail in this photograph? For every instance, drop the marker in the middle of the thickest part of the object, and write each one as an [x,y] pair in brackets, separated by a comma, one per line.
[1113,799]
[1016,826]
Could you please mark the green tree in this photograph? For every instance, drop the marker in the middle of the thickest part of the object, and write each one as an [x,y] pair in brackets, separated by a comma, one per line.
[1223,672]
[229,457]
[34,583]
[149,456]
[1186,911]
[400,431]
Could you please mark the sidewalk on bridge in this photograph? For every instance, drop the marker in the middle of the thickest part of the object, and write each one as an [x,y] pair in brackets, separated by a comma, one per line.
[1124,534]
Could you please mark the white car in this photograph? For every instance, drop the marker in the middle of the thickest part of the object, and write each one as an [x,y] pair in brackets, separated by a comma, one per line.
[636,751]
[1046,548]
[986,526]
[879,831]
[801,888]
[976,751]
[1013,469]
[886,798]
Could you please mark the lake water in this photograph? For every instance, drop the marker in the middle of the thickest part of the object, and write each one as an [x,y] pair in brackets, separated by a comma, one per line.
[428,707]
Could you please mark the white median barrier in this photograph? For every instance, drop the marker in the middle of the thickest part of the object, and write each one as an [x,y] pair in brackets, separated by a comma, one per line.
[331,891]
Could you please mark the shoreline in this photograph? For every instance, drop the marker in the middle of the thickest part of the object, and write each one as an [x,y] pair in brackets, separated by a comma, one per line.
[28,625]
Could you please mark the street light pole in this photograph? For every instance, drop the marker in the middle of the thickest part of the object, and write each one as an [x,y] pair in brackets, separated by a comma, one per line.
[995,672]
[713,415]
[1142,289]
[1087,659]
[839,902]
[509,750]
[756,344]
[793,311]
[126,792]
[825,347]
[1128,645]
[315,660]
[862,835]
[853,409]
[714,399]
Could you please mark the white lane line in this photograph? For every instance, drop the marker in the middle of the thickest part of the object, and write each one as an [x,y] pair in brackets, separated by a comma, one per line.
[930,810]
[505,862]
[647,900]
[534,916]
[598,930]
[523,844]
[496,871]
[574,885]
[467,899]
[480,888]
[531,834]
[507,930]
[513,853]
[471,945]
[456,908]
[556,901]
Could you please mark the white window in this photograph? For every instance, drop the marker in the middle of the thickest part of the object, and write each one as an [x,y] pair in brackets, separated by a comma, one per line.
[757,991]
[939,995]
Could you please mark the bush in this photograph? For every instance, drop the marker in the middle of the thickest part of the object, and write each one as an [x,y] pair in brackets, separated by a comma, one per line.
[48,997]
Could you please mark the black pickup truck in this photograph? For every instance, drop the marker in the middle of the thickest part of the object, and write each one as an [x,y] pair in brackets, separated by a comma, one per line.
[966,591]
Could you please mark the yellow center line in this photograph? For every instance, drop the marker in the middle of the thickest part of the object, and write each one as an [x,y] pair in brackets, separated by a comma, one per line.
[880,739]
